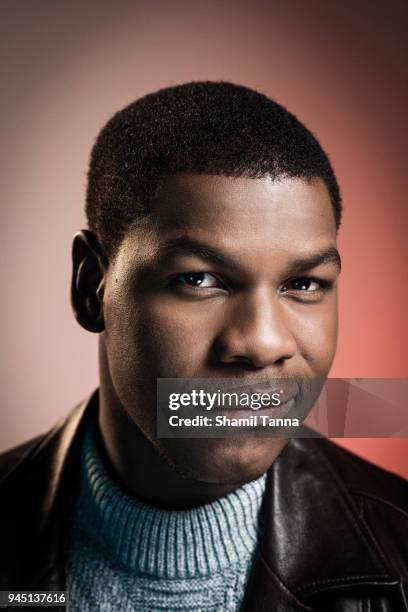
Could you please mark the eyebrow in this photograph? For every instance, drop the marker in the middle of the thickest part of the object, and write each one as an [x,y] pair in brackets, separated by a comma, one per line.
[329,256]
[189,246]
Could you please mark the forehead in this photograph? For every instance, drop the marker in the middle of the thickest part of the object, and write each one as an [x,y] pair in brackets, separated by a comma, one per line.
[244,205]
[245,216]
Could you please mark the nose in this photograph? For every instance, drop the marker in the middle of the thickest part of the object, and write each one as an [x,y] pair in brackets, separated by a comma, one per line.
[257,333]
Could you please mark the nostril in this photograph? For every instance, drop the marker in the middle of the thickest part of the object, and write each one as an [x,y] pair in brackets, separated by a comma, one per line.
[242,360]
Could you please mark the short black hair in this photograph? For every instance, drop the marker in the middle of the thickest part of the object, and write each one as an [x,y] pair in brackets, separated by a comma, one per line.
[204,127]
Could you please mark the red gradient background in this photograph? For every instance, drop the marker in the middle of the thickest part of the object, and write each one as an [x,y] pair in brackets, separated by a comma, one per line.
[67,67]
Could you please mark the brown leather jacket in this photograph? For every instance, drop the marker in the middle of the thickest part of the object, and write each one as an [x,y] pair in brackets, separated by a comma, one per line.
[335,539]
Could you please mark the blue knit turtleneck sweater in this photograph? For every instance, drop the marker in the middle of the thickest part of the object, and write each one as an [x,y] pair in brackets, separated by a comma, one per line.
[127,556]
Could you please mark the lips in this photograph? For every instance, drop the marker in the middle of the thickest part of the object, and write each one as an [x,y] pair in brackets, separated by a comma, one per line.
[285,390]
[245,395]
[247,408]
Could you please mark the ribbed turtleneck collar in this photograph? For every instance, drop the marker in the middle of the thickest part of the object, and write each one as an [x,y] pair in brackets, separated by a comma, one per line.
[163,543]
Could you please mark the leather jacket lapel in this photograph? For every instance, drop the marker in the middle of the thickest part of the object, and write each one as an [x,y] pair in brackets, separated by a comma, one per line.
[265,590]
[314,539]
[44,481]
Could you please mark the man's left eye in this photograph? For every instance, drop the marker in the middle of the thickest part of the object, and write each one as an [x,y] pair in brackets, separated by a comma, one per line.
[302,284]
[202,280]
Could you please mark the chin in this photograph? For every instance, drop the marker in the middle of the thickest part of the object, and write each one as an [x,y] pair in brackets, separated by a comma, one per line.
[232,461]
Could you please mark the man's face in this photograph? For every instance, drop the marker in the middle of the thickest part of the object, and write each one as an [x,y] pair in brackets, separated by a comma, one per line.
[229,278]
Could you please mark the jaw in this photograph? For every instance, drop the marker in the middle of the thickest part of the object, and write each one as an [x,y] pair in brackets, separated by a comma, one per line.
[222,461]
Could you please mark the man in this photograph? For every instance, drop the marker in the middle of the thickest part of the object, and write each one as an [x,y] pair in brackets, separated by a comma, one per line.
[211,253]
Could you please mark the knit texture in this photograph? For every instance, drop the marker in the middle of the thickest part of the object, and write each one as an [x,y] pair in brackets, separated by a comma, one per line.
[127,556]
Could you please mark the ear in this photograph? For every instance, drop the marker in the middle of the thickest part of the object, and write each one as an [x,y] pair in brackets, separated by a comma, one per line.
[88,280]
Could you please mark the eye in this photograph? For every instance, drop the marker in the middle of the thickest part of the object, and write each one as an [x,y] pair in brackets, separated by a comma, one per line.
[302,284]
[306,286]
[197,280]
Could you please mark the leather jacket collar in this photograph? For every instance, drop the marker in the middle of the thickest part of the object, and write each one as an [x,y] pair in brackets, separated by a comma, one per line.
[316,542]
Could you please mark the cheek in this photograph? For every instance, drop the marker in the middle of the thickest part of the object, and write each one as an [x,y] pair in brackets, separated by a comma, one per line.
[315,329]
[155,337]
[182,336]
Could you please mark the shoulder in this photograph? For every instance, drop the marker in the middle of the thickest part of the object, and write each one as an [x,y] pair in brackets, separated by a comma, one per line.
[44,457]
[12,457]
[364,479]
[380,499]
